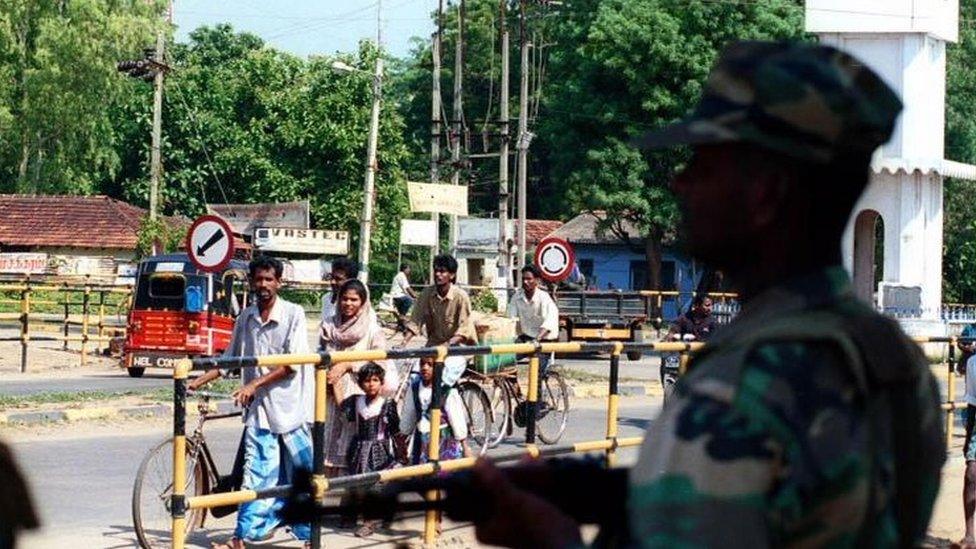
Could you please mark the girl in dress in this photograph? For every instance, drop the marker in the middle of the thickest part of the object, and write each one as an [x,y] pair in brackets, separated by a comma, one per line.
[375,422]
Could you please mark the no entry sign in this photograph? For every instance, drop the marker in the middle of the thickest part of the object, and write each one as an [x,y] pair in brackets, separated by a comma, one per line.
[555,258]
[210,243]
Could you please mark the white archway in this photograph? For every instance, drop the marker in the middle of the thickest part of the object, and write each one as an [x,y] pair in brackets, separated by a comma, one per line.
[868,253]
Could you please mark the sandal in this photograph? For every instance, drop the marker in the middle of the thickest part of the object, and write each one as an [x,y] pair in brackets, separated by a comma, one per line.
[366,530]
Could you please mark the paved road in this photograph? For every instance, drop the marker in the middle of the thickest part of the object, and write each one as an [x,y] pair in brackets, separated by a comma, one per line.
[83,483]
[112,380]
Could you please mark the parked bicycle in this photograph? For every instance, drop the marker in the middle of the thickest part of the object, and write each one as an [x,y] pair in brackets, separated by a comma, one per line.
[151,494]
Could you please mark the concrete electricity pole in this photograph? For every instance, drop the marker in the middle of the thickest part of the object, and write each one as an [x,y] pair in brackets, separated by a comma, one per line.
[524,137]
[155,159]
[503,253]
[435,134]
[456,124]
[369,191]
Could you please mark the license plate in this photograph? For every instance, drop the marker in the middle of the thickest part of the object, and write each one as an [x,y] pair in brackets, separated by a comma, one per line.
[149,360]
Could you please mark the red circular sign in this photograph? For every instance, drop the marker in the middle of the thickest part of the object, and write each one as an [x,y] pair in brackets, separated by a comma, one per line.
[210,243]
[555,259]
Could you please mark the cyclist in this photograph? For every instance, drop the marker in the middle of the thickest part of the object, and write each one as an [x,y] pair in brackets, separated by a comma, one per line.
[444,310]
[536,312]
[402,295]
[698,322]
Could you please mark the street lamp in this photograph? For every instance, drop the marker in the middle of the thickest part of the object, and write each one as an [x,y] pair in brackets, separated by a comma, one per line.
[366,221]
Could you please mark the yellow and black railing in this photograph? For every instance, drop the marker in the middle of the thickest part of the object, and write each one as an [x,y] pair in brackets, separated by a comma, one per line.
[322,361]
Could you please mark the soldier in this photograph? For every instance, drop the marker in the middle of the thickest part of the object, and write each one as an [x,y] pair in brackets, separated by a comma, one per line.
[811,420]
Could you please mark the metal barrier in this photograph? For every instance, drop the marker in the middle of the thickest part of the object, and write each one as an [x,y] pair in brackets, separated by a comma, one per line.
[86,308]
[322,361]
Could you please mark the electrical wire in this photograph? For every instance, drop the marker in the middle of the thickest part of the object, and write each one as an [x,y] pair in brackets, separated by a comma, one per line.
[203,147]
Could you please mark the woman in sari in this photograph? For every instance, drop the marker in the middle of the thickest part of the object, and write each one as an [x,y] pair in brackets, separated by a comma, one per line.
[352,328]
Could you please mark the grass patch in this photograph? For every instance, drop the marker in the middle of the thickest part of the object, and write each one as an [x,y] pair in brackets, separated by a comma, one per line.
[77,398]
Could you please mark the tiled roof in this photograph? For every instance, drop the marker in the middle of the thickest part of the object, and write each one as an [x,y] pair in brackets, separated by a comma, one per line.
[69,221]
[537,229]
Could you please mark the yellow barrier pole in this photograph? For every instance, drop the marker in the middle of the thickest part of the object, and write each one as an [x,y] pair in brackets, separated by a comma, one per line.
[101,314]
[178,504]
[432,517]
[683,363]
[84,323]
[319,483]
[613,401]
[951,388]
[67,312]
[24,327]
[533,400]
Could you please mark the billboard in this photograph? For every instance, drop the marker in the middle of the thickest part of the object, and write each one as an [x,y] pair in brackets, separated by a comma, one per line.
[245,218]
[303,241]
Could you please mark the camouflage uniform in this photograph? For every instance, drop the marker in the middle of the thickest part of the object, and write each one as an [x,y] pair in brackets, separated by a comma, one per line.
[810,420]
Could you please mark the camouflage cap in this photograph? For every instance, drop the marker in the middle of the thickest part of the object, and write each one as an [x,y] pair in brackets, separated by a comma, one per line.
[808,101]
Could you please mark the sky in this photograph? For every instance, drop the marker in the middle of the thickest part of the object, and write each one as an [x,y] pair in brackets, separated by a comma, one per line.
[305,27]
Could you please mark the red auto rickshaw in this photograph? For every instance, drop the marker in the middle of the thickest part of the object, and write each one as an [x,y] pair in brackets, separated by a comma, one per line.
[179,311]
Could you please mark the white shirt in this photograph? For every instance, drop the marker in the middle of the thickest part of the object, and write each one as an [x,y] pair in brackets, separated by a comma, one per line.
[970,381]
[286,404]
[400,285]
[536,314]
[453,407]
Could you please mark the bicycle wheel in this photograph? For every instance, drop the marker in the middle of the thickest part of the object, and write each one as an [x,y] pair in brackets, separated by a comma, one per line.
[554,400]
[151,504]
[478,410]
[500,400]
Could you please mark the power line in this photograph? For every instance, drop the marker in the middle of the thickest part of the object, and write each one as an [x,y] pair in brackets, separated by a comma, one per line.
[206,153]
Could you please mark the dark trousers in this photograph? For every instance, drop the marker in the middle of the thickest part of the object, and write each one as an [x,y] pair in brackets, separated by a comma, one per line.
[402,305]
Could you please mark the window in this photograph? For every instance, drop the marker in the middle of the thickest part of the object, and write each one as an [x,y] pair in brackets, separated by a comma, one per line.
[669,279]
[586,267]
[638,275]
[166,286]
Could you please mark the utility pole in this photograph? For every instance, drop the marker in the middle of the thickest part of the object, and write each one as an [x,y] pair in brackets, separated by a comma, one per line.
[155,159]
[369,192]
[435,133]
[524,137]
[504,272]
[456,126]
[369,186]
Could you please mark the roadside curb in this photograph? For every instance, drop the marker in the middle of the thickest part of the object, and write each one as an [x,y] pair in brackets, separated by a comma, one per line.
[601,390]
[35,417]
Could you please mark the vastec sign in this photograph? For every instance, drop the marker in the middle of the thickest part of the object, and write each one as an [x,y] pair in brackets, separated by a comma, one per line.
[555,258]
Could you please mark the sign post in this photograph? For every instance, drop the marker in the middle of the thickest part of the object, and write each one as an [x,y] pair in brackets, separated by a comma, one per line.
[555,259]
[210,243]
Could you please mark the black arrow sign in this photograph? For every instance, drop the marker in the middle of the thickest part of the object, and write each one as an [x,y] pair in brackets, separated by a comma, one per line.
[214,238]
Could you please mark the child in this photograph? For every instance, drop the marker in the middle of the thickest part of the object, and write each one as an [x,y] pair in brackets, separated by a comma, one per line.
[375,420]
[416,418]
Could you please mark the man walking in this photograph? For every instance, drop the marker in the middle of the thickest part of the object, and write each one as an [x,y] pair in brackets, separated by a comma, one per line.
[278,402]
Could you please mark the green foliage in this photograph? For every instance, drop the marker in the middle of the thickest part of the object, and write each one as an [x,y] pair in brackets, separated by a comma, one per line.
[959,240]
[170,236]
[58,85]
[485,301]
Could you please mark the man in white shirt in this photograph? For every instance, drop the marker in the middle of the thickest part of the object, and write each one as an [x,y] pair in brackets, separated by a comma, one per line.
[402,295]
[536,312]
[278,402]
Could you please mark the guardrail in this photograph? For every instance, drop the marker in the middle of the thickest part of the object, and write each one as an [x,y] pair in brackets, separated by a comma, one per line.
[322,361]
[81,305]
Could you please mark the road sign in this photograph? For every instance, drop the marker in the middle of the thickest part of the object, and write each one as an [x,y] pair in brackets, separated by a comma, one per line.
[555,258]
[210,243]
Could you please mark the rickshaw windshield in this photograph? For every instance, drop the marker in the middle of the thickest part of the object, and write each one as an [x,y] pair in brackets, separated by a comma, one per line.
[166,290]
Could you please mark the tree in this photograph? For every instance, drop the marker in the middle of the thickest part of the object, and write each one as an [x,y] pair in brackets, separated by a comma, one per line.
[57,62]
[623,68]
[247,123]
[959,241]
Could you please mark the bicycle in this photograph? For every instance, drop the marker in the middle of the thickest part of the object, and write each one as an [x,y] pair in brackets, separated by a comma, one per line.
[553,401]
[151,494]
